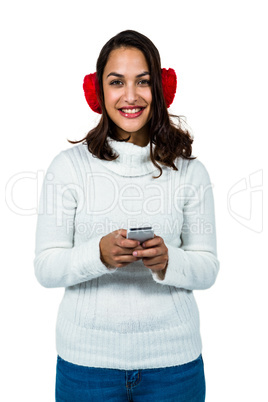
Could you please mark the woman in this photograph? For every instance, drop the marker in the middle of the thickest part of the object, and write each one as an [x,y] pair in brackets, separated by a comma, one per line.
[128,324]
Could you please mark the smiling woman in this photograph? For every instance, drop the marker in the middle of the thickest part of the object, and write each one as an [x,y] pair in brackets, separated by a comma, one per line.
[128,100]
[128,323]
[129,74]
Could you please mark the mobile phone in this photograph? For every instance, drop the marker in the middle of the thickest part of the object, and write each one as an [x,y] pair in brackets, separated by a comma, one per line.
[140,234]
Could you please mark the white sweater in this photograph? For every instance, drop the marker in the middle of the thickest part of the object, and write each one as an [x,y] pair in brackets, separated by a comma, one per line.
[125,318]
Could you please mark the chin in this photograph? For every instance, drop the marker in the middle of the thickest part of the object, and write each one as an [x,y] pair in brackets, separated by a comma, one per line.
[133,127]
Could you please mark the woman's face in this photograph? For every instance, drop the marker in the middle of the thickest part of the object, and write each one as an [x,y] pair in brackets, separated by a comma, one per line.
[127,93]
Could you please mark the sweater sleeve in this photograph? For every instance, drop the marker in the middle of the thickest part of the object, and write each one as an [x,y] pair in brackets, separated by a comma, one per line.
[58,261]
[194,265]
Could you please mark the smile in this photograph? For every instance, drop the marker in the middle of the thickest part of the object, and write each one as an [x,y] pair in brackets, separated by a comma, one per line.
[131,113]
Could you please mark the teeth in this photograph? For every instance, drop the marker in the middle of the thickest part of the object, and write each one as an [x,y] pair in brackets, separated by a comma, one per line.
[131,110]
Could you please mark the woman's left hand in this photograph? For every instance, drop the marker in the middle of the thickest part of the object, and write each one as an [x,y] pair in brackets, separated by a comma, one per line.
[155,254]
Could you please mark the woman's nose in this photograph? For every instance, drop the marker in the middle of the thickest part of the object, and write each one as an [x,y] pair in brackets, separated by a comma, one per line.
[130,94]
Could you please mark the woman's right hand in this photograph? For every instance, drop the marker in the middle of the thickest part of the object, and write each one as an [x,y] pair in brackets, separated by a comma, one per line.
[116,250]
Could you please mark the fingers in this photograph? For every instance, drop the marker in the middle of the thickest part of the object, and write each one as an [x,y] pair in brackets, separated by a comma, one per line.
[154,254]
[151,252]
[121,232]
[123,242]
[157,240]
[128,243]
[122,251]
[155,263]
[125,258]
[120,261]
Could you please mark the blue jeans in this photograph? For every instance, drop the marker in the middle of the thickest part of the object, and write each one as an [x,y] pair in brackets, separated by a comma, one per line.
[184,383]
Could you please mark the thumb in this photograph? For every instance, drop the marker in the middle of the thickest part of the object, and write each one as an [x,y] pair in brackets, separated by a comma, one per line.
[122,232]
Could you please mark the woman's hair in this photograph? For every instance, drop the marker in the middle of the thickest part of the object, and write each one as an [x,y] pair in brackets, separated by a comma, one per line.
[170,139]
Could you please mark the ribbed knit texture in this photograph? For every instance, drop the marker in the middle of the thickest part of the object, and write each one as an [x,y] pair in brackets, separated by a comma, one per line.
[125,318]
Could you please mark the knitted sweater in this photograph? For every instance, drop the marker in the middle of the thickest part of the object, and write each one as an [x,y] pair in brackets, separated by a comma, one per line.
[131,317]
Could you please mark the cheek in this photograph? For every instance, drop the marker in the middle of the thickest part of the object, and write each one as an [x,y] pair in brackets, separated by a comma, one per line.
[110,97]
[148,96]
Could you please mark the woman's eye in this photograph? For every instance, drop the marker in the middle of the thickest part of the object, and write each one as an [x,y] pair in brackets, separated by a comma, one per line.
[116,82]
[144,82]
[120,83]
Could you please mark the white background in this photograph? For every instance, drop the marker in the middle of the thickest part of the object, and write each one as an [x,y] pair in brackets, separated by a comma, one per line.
[219,51]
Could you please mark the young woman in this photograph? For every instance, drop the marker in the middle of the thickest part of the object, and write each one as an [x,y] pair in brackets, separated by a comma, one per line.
[128,324]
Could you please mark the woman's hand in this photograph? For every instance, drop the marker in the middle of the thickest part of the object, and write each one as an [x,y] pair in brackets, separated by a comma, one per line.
[154,254]
[116,250]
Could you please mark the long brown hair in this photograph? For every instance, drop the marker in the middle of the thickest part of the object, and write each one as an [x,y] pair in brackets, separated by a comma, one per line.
[171,140]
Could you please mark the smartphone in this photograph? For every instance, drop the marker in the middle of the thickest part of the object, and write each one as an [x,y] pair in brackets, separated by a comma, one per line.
[140,234]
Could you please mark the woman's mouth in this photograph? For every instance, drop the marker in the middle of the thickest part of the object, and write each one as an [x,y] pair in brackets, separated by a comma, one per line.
[131,113]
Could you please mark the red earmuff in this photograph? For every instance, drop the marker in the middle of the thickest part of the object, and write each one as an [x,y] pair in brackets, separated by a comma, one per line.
[91,87]
[169,83]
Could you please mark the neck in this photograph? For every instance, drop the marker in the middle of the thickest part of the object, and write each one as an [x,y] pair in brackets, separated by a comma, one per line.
[140,137]
[133,160]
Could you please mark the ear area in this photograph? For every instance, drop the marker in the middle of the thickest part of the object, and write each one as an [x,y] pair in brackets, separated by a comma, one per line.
[91,87]
[169,83]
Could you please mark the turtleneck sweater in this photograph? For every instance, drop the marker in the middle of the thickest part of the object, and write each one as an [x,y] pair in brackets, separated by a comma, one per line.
[132,317]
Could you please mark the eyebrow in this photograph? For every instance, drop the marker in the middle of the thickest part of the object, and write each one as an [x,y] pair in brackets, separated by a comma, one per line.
[122,76]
